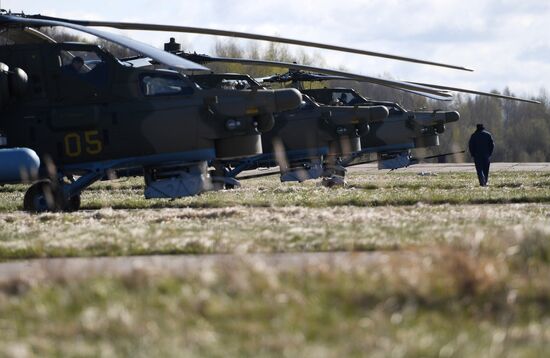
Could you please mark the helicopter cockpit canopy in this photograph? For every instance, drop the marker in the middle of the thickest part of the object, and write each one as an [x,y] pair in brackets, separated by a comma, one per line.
[164,83]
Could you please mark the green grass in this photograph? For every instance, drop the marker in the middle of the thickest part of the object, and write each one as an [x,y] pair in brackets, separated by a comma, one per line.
[391,211]
[243,229]
[461,270]
[396,189]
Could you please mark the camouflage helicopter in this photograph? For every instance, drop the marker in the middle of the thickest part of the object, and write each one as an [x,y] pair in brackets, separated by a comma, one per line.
[72,109]
[73,113]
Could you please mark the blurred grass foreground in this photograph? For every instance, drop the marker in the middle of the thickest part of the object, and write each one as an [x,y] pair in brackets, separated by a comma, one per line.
[391,265]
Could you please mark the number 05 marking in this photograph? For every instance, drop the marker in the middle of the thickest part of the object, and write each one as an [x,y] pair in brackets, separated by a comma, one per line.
[73,143]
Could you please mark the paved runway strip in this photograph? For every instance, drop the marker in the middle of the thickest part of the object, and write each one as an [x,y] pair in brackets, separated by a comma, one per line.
[81,268]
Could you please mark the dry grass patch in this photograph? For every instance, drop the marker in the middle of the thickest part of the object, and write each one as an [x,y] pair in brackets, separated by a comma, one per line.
[242,229]
[421,302]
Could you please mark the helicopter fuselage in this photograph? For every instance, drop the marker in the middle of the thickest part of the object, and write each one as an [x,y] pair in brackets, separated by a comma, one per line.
[402,128]
[88,114]
[108,110]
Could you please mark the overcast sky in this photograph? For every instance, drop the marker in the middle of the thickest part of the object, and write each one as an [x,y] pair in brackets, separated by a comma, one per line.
[506,42]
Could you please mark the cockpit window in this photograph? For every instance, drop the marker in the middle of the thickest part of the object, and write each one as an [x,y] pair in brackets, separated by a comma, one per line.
[164,85]
[345,98]
[234,84]
[340,98]
[87,66]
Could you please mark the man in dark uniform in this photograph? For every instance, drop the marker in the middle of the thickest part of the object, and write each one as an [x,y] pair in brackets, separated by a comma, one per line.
[481,148]
[75,67]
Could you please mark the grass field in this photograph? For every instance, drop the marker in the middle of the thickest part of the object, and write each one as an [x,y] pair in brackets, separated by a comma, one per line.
[464,270]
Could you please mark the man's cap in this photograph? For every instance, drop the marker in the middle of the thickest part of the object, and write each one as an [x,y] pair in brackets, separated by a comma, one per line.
[480,126]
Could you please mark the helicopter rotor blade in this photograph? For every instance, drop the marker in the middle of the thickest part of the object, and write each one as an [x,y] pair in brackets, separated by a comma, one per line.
[206,31]
[428,95]
[140,47]
[321,77]
[380,81]
[441,95]
[481,93]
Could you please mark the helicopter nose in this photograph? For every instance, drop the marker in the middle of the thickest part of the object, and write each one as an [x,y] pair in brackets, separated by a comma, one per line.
[452,116]
[286,99]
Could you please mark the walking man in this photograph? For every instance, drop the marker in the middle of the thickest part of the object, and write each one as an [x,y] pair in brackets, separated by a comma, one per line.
[481,148]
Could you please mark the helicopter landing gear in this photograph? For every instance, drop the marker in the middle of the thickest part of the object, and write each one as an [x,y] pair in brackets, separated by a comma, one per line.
[221,183]
[73,204]
[333,181]
[304,170]
[334,176]
[45,196]
[40,197]
[220,178]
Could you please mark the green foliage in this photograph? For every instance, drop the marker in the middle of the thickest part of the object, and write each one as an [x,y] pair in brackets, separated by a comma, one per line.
[271,52]
[521,130]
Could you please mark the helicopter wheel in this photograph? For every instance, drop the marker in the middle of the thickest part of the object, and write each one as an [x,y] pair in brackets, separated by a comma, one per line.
[43,196]
[334,181]
[40,197]
[73,204]
[340,172]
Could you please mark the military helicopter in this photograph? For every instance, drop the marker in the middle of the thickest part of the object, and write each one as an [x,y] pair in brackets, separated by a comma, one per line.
[393,138]
[73,113]
[74,110]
